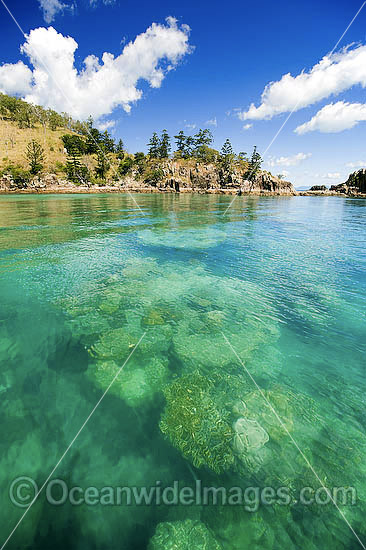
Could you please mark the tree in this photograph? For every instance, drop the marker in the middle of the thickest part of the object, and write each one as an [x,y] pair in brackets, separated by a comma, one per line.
[164,148]
[280,176]
[108,142]
[75,170]
[190,145]
[253,167]
[54,119]
[203,137]
[120,150]
[71,141]
[35,156]
[154,177]
[181,143]
[8,106]
[25,115]
[154,146]
[227,155]
[125,166]
[94,138]
[66,120]
[202,140]
[243,156]
[140,161]
[103,163]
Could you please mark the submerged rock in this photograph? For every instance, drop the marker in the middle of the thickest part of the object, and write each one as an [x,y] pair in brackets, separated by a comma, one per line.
[138,383]
[195,424]
[249,436]
[183,535]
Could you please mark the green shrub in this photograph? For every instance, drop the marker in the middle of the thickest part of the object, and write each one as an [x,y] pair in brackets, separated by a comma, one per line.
[20,176]
[154,176]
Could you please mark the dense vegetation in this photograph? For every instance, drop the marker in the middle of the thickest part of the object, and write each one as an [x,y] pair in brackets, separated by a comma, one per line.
[93,156]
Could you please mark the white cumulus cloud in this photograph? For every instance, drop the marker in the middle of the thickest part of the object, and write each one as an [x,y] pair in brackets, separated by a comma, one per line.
[335,117]
[289,161]
[335,73]
[247,126]
[102,85]
[15,78]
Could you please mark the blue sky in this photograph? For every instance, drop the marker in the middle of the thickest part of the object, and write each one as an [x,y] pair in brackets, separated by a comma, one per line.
[221,67]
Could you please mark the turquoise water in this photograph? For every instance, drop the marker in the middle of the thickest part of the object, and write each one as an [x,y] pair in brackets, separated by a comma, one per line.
[253,347]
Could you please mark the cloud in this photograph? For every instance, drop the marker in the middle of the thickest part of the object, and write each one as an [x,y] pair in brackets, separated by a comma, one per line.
[247,126]
[357,164]
[106,125]
[190,126]
[335,117]
[335,73]
[289,161]
[94,3]
[102,85]
[212,122]
[15,78]
[51,8]
[331,175]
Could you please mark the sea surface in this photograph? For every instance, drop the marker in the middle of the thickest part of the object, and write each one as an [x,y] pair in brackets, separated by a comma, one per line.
[155,341]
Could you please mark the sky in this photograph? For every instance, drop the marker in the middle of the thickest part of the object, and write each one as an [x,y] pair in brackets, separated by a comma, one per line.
[237,68]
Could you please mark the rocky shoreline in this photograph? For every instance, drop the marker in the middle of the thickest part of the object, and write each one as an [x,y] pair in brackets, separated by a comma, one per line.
[200,179]
[174,177]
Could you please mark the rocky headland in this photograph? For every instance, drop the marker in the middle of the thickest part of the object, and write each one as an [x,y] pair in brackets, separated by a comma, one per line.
[174,176]
[355,186]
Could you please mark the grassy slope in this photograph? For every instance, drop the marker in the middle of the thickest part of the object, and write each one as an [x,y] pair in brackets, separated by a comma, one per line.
[14,140]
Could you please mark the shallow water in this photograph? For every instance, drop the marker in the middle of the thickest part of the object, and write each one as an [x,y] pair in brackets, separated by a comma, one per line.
[265,304]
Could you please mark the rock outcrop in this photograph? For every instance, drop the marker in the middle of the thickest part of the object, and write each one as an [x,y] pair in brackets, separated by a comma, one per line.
[318,188]
[199,177]
[355,184]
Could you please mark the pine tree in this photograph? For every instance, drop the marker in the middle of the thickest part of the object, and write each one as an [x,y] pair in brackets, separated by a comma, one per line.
[227,148]
[227,155]
[181,143]
[35,156]
[93,138]
[154,146]
[202,141]
[103,163]
[190,145]
[243,156]
[108,142]
[165,146]
[139,161]
[203,137]
[253,167]
[120,150]
[75,170]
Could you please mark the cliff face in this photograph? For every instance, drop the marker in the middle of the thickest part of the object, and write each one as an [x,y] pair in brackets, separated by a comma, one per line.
[355,185]
[174,176]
